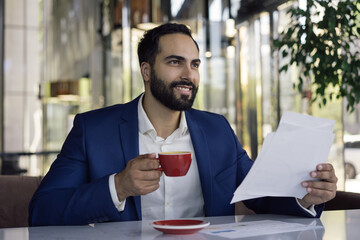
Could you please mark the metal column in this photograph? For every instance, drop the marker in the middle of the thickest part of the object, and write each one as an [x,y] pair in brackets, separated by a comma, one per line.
[126,41]
[2,48]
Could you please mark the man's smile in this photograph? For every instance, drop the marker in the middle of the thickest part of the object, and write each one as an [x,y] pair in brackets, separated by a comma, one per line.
[183,89]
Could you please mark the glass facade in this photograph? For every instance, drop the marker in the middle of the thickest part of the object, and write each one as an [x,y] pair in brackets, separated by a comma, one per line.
[66,57]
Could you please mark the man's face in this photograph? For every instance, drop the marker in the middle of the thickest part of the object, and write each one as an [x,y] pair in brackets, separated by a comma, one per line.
[166,93]
[175,75]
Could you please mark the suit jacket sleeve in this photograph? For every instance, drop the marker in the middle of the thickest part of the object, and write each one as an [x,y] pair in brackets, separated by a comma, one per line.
[69,194]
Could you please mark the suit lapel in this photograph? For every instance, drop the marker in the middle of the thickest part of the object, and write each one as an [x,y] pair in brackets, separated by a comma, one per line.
[201,149]
[129,136]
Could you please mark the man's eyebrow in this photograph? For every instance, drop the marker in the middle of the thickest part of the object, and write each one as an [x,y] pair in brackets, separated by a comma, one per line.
[196,60]
[175,56]
[181,58]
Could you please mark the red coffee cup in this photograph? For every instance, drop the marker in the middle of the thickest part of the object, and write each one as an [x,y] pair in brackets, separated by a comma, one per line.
[175,164]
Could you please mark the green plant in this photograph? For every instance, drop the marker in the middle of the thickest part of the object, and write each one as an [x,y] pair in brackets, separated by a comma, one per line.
[323,41]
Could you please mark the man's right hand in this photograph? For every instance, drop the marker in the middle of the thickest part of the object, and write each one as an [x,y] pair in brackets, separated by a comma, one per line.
[141,176]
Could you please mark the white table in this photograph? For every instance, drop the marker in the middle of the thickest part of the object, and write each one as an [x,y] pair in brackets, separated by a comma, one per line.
[337,225]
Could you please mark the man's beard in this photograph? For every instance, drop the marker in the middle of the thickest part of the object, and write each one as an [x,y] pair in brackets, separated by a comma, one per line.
[165,94]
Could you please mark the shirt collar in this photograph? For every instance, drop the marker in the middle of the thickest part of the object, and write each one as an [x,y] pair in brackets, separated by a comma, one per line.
[145,125]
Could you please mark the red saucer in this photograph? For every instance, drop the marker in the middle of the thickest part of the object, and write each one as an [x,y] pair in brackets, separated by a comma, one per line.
[179,226]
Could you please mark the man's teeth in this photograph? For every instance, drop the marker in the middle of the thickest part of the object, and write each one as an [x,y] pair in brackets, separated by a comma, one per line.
[183,88]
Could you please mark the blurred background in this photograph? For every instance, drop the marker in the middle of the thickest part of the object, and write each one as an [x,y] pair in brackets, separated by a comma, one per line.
[62,57]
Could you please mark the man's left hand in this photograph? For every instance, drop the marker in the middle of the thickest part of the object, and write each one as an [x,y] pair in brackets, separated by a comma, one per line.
[322,190]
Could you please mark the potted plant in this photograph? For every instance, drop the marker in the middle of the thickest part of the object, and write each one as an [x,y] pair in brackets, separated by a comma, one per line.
[323,41]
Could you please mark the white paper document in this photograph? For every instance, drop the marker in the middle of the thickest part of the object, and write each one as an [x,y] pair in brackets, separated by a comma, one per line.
[256,228]
[287,157]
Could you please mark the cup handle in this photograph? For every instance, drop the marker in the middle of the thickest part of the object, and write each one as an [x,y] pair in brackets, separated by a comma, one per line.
[159,168]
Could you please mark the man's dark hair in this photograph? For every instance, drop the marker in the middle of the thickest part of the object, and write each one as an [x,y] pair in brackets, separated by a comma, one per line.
[148,46]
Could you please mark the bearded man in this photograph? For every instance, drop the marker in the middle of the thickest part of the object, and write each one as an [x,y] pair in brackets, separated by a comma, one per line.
[107,169]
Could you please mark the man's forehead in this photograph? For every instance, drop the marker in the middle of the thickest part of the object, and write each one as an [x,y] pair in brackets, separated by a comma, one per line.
[178,44]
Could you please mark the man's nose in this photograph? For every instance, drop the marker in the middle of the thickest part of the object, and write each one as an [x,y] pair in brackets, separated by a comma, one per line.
[189,73]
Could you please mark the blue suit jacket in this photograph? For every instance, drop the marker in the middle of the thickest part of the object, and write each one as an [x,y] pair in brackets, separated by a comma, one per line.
[101,142]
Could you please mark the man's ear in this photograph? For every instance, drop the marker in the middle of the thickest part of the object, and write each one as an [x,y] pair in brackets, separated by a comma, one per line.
[145,71]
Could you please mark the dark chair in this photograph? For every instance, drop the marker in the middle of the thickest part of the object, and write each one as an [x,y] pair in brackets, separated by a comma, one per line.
[15,195]
[343,201]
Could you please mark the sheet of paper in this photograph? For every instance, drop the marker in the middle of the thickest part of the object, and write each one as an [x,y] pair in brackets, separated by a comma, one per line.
[287,157]
[256,228]
[307,121]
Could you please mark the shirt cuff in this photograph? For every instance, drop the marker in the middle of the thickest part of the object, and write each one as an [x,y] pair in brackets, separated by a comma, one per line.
[310,210]
[120,206]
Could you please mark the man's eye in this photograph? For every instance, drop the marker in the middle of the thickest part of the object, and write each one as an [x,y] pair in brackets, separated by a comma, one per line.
[174,61]
[196,65]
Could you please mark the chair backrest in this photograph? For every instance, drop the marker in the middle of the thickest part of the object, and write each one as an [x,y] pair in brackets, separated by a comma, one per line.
[15,195]
[344,200]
